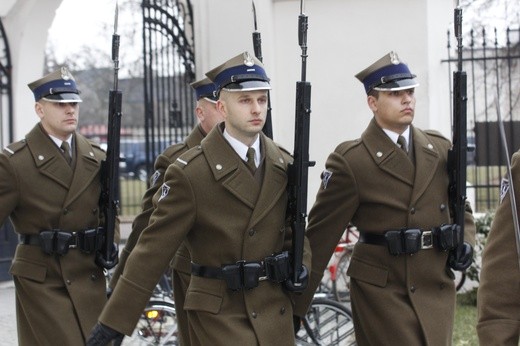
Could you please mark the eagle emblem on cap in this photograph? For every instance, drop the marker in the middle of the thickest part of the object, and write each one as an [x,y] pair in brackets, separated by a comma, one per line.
[64,73]
[248,59]
[394,58]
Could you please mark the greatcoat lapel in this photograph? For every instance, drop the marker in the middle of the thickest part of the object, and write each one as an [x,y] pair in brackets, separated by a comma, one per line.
[387,156]
[47,158]
[274,182]
[226,165]
[87,167]
[427,159]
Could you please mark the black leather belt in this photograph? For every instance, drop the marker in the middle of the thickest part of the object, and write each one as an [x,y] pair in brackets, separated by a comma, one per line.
[246,275]
[57,241]
[409,241]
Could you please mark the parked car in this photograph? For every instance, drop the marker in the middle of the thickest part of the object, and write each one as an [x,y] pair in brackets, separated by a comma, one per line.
[133,157]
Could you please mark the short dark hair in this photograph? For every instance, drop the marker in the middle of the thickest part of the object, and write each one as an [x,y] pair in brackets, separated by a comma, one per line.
[374,93]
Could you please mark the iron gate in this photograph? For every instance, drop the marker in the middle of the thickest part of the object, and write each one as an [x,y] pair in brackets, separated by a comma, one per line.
[169,101]
[169,68]
[8,239]
[493,70]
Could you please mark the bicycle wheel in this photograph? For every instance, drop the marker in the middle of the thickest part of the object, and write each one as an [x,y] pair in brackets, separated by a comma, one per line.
[327,323]
[341,286]
[156,326]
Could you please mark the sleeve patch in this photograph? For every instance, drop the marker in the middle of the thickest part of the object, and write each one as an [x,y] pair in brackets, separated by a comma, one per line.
[325,177]
[504,188]
[165,189]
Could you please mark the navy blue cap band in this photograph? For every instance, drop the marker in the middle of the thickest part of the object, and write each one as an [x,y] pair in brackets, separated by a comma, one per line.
[239,74]
[55,87]
[387,74]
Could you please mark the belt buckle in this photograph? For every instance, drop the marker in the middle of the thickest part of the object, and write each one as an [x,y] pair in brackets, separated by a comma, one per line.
[266,276]
[426,240]
[75,238]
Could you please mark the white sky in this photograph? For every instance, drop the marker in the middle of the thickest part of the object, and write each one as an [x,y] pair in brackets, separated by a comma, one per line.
[82,22]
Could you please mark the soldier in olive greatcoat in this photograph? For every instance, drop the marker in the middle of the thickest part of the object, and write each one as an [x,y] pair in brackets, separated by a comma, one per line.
[498,295]
[208,117]
[50,188]
[228,204]
[396,193]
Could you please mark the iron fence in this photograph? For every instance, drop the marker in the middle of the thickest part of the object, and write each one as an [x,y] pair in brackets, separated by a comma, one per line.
[493,71]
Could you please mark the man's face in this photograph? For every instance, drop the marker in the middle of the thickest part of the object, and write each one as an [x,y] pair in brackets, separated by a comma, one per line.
[393,110]
[244,113]
[58,119]
[208,114]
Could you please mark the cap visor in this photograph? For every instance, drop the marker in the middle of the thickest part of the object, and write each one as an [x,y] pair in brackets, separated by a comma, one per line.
[63,98]
[396,85]
[248,86]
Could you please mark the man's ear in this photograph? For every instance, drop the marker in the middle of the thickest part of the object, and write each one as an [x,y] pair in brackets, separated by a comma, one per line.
[372,103]
[38,108]
[221,108]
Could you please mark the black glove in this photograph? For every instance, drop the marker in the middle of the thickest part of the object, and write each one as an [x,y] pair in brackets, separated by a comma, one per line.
[461,257]
[101,335]
[112,261]
[297,323]
[303,280]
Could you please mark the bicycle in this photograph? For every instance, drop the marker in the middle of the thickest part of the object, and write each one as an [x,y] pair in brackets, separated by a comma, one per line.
[337,281]
[327,322]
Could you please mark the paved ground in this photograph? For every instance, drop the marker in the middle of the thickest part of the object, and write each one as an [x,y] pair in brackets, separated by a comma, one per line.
[7,314]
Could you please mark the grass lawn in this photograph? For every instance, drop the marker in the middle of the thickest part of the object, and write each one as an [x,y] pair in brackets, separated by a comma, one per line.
[464,331]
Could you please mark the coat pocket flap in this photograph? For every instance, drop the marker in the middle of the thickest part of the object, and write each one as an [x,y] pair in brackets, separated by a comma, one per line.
[201,301]
[28,270]
[367,272]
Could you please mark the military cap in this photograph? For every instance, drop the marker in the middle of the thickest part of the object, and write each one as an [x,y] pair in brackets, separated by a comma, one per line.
[58,86]
[205,88]
[244,72]
[387,74]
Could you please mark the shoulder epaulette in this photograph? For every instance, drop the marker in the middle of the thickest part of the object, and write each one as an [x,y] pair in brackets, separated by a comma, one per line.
[344,147]
[435,133]
[188,156]
[12,148]
[173,150]
[283,149]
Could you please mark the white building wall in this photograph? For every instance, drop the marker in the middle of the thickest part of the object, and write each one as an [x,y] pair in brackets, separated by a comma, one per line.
[344,36]
[26,23]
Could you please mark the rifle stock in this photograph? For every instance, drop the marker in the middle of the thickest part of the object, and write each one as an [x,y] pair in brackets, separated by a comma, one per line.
[109,202]
[299,169]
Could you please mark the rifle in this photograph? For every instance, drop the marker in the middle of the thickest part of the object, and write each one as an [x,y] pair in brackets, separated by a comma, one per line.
[299,169]
[257,46]
[109,202]
[457,156]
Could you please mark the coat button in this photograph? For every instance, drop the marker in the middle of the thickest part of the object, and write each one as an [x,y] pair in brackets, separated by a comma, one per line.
[412,289]
[93,277]
[442,286]
[254,314]
[65,211]
[68,282]
[443,207]
[94,211]
[412,210]
[252,232]
[282,310]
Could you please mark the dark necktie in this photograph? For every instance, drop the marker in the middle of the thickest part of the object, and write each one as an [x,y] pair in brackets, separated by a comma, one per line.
[251,160]
[66,151]
[402,142]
